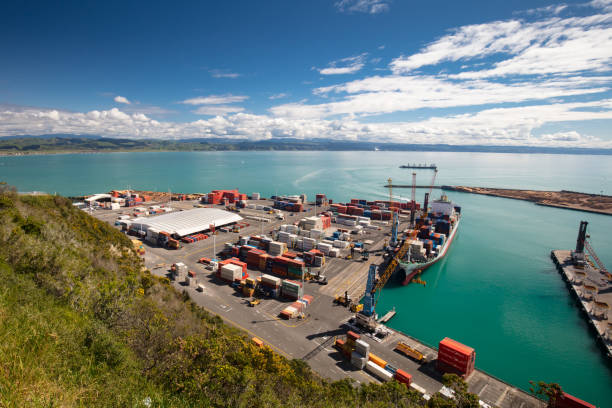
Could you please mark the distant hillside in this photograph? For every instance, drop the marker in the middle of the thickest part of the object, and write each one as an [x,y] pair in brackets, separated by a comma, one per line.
[82,323]
[47,144]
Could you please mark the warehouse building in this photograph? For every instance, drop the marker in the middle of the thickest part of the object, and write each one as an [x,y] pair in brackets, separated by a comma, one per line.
[187,222]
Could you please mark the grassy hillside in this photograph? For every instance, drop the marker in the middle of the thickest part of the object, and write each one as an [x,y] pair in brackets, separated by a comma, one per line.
[82,323]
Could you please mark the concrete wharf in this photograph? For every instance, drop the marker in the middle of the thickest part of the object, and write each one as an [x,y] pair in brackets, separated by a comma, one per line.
[593,293]
[311,339]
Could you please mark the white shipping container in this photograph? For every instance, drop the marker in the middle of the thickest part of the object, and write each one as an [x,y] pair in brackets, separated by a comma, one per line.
[362,347]
[358,360]
[255,196]
[181,268]
[291,311]
[231,272]
[271,280]
[378,372]
[341,244]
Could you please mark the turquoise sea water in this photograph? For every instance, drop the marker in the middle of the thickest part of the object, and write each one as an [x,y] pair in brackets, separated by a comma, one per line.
[496,290]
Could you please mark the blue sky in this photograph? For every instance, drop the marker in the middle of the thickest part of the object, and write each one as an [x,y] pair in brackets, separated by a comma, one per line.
[480,72]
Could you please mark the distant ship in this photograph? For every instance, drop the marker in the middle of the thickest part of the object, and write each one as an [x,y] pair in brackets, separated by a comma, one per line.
[419,166]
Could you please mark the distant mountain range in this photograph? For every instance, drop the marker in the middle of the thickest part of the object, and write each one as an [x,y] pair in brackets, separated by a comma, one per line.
[63,143]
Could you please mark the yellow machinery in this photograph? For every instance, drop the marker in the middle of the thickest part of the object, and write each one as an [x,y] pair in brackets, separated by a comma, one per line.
[410,352]
[355,308]
[392,265]
[254,302]
[343,300]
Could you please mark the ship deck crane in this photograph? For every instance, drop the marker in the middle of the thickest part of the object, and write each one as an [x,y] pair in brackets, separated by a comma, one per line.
[374,285]
[433,180]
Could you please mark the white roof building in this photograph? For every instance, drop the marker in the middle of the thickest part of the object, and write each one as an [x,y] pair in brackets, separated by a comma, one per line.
[187,222]
[97,197]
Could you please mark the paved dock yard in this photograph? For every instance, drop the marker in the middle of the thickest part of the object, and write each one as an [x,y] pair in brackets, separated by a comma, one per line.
[600,320]
[312,338]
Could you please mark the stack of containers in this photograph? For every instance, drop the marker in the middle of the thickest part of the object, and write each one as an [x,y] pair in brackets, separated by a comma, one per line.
[236,262]
[324,248]
[279,265]
[180,272]
[255,196]
[455,357]
[360,356]
[291,311]
[271,284]
[326,221]
[341,244]
[277,248]
[376,367]
[295,269]
[308,243]
[349,346]
[334,253]
[316,233]
[291,289]
[253,258]
[230,272]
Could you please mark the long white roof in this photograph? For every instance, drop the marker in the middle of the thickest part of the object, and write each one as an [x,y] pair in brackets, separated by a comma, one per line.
[187,222]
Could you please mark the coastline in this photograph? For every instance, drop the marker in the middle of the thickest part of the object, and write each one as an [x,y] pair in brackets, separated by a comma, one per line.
[569,200]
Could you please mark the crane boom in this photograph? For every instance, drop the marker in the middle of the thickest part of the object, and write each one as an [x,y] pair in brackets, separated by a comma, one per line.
[433,180]
[391,267]
[591,251]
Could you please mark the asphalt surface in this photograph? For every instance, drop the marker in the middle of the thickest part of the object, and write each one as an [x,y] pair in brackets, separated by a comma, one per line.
[311,338]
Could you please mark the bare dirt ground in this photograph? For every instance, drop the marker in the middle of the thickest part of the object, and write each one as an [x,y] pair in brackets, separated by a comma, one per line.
[601,204]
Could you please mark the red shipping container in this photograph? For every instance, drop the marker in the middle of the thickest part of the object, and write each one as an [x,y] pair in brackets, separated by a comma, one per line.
[403,377]
[569,401]
[352,335]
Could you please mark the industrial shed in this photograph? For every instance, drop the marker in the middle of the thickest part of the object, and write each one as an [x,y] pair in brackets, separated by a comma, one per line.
[187,222]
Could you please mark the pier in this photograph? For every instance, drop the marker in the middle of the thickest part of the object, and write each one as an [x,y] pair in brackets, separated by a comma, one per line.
[388,316]
[593,293]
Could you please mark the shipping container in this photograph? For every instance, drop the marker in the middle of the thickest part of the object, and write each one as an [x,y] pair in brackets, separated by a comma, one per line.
[378,372]
[377,360]
[402,377]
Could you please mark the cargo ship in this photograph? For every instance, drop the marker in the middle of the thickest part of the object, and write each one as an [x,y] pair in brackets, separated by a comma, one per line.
[419,166]
[430,240]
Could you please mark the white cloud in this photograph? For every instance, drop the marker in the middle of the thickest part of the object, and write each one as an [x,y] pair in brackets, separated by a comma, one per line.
[604,5]
[497,126]
[217,110]
[215,99]
[363,6]
[121,99]
[543,47]
[219,73]
[278,96]
[348,65]
[387,94]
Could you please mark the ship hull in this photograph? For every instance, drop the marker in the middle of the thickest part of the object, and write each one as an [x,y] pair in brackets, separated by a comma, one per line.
[407,271]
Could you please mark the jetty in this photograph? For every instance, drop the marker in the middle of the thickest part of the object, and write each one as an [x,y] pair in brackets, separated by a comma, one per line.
[388,316]
[592,289]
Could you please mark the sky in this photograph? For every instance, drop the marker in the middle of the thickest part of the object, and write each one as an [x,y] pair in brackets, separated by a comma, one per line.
[529,73]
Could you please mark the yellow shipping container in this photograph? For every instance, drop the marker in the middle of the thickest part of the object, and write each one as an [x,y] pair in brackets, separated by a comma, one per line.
[377,360]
